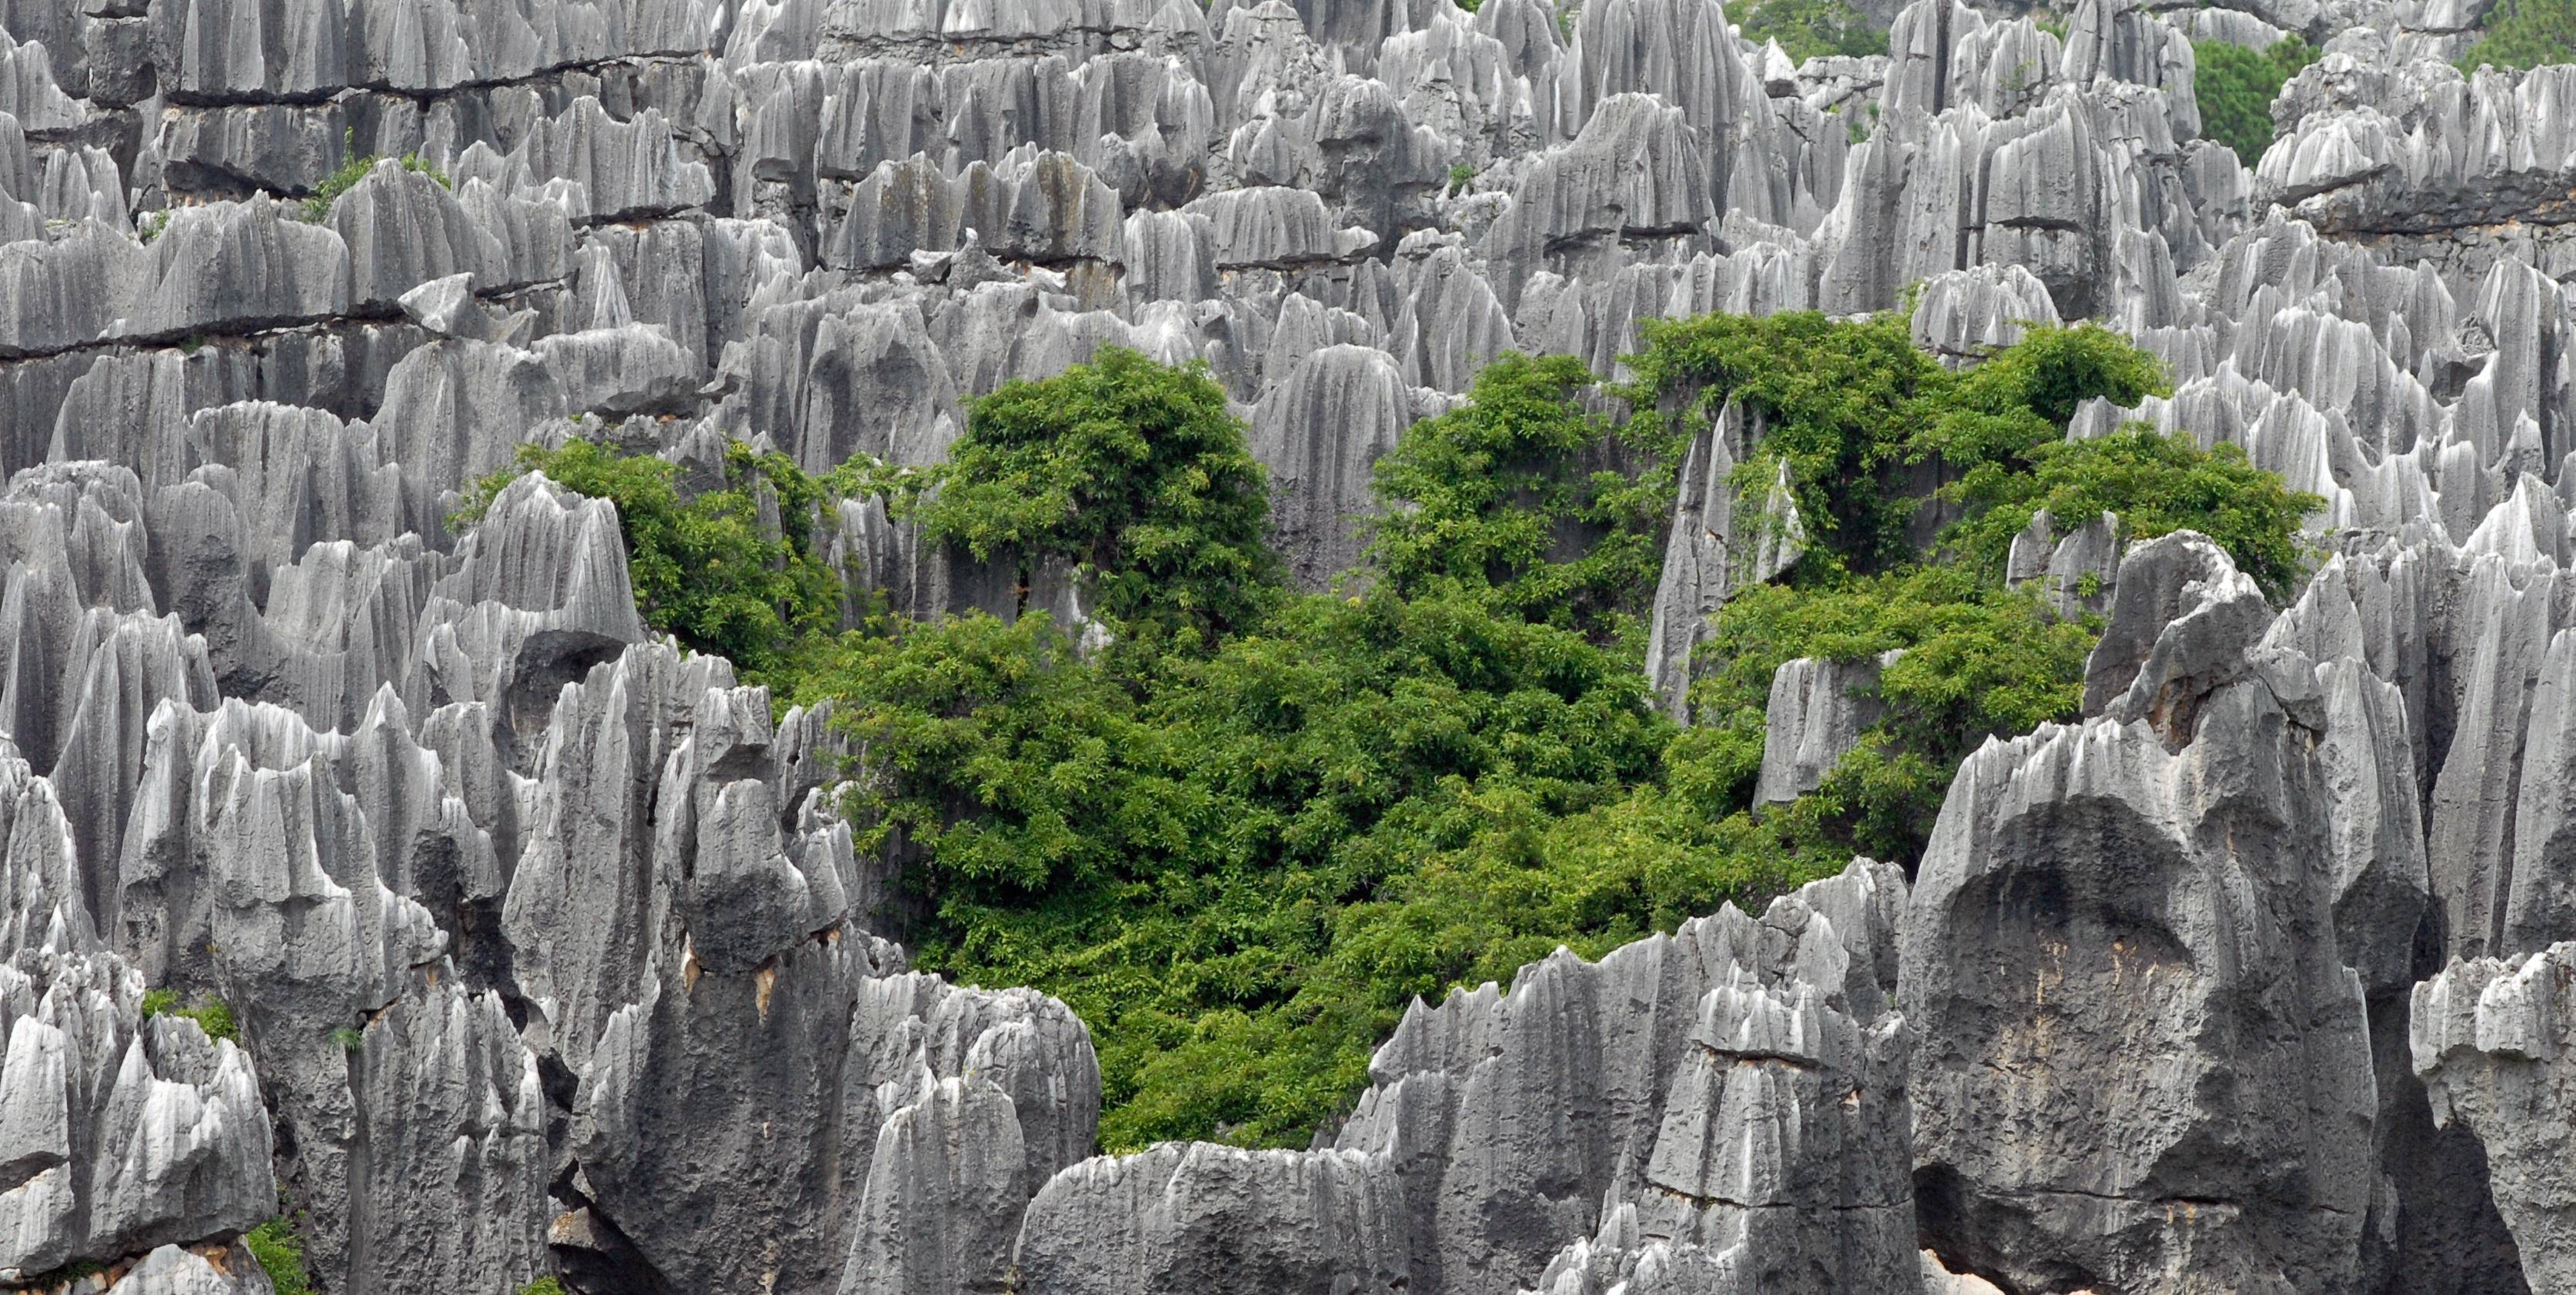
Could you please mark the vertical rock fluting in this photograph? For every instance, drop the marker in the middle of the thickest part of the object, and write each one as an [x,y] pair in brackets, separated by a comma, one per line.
[124,1132]
[2490,1043]
[1729,1100]
[2143,1062]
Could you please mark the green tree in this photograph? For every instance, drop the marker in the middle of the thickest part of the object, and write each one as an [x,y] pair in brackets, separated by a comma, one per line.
[2524,34]
[1515,492]
[705,568]
[1980,660]
[2235,87]
[1006,761]
[1835,401]
[1244,836]
[1133,470]
[1863,419]
[2156,484]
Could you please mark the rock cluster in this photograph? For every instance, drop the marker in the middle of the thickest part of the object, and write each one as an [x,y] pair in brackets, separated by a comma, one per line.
[550,954]
[1728,1101]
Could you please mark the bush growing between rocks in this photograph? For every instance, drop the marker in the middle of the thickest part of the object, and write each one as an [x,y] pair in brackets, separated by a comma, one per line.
[1134,472]
[280,1253]
[212,1016]
[703,568]
[2236,86]
[317,207]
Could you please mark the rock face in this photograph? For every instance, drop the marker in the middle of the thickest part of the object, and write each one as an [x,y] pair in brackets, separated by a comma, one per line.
[550,956]
[125,1132]
[2123,957]
[2490,1043]
[1818,710]
[1729,1101]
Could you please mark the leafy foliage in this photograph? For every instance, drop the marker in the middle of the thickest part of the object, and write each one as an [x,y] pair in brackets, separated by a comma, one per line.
[1134,471]
[1242,833]
[1499,500]
[1855,411]
[1979,660]
[704,568]
[2156,484]
[211,1015]
[1835,399]
[2236,86]
[317,206]
[1814,28]
[280,1253]
[1167,843]
[2523,34]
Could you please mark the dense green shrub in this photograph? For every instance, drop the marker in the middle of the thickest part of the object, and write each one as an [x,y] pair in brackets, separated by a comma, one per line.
[211,1015]
[1512,494]
[1979,660]
[1863,419]
[2235,87]
[1166,842]
[280,1253]
[1811,28]
[2157,484]
[704,568]
[2523,34]
[1132,470]
[317,206]
[1836,401]
[1244,832]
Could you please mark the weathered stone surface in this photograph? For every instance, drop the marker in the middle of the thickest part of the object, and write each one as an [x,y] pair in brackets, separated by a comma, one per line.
[2123,952]
[1730,1097]
[119,1133]
[1184,1216]
[1319,432]
[2489,1040]
[1817,713]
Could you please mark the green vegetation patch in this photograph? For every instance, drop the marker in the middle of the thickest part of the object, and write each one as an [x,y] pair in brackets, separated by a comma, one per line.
[211,1014]
[316,207]
[280,1253]
[704,567]
[2524,34]
[1242,833]
[1132,471]
[2236,86]
[1814,28]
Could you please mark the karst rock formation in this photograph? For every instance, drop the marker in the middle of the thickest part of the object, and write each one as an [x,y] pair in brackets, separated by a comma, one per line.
[552,954]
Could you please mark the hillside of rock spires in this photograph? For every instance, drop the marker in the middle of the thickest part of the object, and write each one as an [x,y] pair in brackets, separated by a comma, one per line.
[533,951]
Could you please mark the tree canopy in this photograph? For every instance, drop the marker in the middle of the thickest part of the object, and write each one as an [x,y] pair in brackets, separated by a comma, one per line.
[2524,34]
[2235,87]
